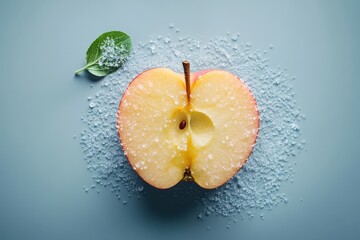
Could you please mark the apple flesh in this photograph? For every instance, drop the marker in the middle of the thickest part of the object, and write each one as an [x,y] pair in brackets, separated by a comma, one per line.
[169,135]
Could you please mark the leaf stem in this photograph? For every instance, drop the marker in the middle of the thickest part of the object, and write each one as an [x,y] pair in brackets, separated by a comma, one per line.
[81,69]
[87,66]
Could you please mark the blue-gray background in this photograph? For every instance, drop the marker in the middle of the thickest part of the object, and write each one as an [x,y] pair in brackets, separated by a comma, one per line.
[42,170]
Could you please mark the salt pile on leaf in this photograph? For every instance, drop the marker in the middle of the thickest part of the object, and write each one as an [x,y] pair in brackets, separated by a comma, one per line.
[257,185]
[112,55]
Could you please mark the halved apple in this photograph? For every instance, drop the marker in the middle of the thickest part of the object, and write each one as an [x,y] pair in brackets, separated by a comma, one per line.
[200,127]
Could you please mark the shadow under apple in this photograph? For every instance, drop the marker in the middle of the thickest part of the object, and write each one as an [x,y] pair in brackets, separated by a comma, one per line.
[180,201]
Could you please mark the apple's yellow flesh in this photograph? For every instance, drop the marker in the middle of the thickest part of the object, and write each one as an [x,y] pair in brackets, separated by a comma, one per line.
[232,109]
[221,127]
[146,126]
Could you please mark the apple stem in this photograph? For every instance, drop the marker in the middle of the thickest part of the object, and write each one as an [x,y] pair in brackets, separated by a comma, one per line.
[186,66]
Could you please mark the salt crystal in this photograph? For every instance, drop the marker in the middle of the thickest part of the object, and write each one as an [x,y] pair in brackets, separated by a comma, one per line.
[92,104]
[167,40]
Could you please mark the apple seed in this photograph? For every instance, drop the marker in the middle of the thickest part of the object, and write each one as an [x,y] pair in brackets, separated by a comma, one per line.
[182,125]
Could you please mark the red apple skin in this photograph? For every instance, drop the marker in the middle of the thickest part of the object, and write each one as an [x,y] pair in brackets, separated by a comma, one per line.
[195,77]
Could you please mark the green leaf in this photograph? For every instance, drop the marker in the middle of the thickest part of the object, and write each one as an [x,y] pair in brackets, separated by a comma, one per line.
[107,53]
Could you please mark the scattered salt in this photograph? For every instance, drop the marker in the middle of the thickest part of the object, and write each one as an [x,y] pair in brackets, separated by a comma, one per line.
[256,187]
